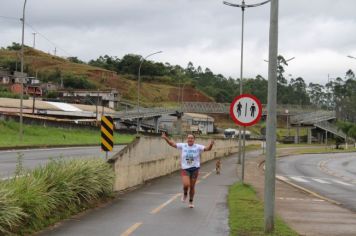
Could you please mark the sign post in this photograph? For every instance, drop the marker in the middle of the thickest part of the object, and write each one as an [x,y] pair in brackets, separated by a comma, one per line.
[245,110]
[107,134]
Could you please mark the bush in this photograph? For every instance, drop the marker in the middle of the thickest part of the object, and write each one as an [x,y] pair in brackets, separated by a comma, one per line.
[47,194]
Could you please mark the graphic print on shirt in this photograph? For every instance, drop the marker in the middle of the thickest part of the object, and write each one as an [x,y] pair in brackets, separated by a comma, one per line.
[190,155]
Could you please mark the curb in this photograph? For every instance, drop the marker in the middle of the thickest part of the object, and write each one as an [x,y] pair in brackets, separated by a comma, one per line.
[302,188]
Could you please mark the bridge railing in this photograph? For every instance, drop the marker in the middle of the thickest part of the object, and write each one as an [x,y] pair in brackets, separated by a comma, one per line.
[212,107]
[330,128]
[312,117]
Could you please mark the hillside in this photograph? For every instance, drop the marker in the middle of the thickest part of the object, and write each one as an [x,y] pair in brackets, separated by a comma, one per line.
[52,68]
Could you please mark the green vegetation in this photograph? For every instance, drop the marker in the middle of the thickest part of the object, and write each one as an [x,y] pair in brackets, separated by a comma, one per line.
[35,135]
[246,214]
[6,93]
[51,193]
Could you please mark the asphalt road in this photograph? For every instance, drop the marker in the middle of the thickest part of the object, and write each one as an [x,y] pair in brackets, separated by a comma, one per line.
[330,175]
[36,157]
[155,209]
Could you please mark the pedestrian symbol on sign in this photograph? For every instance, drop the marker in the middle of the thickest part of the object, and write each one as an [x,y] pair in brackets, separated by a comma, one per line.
[246,110]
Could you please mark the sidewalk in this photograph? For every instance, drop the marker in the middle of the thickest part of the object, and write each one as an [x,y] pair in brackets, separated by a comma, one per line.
[302,211]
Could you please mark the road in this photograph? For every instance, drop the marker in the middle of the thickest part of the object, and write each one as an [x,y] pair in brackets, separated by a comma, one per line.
[35,157]
[330,175]
[155,209]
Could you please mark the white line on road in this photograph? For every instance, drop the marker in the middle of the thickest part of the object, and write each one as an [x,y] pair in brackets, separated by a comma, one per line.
[299,179]
[340,182]
[320,181]
[131,229]
[156,210]
[206,176]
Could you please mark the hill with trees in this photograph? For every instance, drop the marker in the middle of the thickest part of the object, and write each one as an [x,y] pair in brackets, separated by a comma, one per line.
[163,83]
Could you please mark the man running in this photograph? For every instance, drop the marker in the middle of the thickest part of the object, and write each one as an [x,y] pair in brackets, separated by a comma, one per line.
[190,163]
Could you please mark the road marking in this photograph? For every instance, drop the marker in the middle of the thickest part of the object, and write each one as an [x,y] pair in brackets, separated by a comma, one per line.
[320,181]
[300,199]
[343,183]
[131,229]
[206,176]
[156,210]
[299,179]
[282,177]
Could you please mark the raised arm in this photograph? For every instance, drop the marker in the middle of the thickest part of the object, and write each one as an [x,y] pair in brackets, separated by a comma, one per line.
[170,142]
[210,146]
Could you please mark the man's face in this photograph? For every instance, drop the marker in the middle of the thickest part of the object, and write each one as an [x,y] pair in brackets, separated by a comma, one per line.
[190,140]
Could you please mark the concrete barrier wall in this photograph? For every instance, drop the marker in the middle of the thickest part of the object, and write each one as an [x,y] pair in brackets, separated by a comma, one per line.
[150,157]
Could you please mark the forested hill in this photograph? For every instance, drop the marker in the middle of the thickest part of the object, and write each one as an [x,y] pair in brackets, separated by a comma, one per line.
[338,94]
[162,81]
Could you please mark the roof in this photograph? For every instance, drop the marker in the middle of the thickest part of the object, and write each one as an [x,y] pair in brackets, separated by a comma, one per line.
[200,117]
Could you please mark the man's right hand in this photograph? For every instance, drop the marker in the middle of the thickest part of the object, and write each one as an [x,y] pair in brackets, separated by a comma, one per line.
[164,135]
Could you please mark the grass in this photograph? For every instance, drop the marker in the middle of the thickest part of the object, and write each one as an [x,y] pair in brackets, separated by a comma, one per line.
[246,214]
[35,135]
[36,199]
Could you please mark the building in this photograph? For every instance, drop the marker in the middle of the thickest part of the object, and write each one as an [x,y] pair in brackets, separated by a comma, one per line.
[48,87]
[4,76]
[33,90]
[108,98]
[191,123]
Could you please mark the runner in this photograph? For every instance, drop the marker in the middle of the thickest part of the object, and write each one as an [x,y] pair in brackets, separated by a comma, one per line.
[190,163]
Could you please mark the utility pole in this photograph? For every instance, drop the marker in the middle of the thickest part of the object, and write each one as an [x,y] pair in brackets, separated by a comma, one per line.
[270,172]
[55,51]
[22,65]
[34,40]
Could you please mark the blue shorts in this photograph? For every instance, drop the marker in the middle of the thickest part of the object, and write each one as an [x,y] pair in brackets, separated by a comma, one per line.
[192,172]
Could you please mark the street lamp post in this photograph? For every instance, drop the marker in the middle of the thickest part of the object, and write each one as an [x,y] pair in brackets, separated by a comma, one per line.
[243,5]
[22,65]
[138,86]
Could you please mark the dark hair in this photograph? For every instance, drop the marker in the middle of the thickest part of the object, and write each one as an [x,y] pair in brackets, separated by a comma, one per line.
[191,135]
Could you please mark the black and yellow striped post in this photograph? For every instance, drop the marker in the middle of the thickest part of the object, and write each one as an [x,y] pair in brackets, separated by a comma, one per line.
[107,134]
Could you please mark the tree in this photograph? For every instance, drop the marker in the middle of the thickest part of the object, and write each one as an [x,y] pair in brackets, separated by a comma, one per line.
[280,70]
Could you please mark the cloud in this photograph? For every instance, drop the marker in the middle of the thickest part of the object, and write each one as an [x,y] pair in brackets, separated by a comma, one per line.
[318,33]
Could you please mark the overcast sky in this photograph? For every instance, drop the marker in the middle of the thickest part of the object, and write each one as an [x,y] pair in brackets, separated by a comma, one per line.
[318,33]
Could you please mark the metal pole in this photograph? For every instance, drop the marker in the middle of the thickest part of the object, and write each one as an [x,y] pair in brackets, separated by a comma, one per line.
[241,74]
[33,103]
[138,88]
[243,156]
[34,40]
[22,65]
[269,196]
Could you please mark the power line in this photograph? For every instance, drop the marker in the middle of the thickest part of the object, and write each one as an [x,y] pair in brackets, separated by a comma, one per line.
[37,32]
[43,36]
[10,18]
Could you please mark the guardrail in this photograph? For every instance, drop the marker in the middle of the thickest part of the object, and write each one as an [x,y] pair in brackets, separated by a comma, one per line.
[330,128]
[312,117]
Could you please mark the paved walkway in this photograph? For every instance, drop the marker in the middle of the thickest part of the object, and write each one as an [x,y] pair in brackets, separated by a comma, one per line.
[155,209]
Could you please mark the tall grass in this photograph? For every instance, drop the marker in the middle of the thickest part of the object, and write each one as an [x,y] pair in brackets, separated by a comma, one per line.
[47,194]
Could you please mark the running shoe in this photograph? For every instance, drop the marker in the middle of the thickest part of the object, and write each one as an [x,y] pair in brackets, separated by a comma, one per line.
[191,205]
[184,198]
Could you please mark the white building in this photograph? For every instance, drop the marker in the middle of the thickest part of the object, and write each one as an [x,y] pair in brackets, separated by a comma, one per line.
[191,122]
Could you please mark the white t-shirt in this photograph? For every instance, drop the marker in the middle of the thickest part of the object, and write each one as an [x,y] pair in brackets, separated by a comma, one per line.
[190,155]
